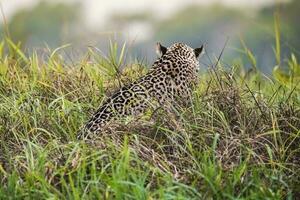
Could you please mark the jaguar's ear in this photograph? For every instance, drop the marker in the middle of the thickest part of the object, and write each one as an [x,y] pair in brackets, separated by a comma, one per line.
[199,51]
[160,49]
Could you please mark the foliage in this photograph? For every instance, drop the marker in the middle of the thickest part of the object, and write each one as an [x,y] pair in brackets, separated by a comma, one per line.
[237,139]
[290,78]
[46,22]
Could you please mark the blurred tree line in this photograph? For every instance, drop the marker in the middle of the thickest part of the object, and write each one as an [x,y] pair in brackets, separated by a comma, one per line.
[46,23]
[55,24]
[215,25]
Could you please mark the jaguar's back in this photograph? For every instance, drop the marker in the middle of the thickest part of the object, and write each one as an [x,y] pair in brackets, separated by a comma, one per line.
[171,76]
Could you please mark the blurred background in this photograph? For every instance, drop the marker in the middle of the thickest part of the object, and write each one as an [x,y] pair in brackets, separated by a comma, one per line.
[40,24]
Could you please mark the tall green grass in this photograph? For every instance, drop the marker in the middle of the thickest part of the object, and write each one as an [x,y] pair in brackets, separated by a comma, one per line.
[237,139]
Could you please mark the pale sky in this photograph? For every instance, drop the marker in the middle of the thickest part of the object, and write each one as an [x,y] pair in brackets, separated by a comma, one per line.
[96,12]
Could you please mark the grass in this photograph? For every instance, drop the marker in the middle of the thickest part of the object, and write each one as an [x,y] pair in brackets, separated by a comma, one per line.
[238,138]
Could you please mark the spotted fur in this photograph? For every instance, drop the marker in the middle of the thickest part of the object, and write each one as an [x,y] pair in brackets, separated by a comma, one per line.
[170,77]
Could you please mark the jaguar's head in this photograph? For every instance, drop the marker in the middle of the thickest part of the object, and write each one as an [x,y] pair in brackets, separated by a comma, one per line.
[181,50]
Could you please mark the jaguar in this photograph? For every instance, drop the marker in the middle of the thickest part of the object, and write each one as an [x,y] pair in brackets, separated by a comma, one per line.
[170,78]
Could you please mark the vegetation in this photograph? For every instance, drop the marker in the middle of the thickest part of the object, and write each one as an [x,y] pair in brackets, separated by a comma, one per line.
[44,23]
[237,139]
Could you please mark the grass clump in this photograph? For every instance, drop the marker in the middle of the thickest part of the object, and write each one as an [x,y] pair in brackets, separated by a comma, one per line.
[238,139]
